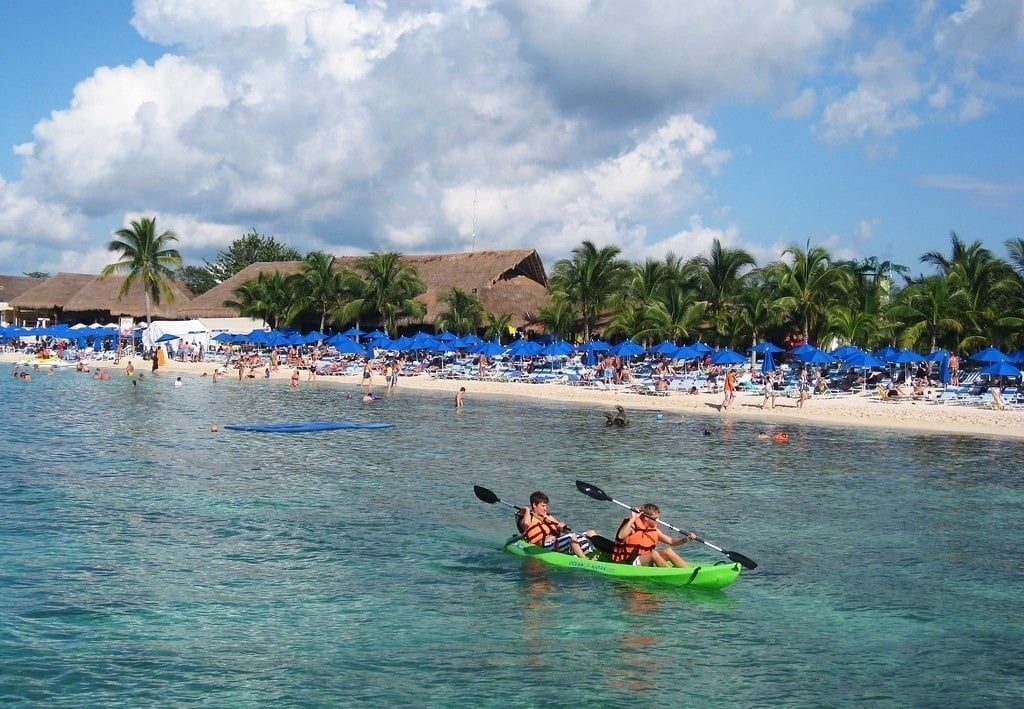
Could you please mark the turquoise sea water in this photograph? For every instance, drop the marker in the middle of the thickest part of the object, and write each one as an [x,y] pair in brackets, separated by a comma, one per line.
[148,561]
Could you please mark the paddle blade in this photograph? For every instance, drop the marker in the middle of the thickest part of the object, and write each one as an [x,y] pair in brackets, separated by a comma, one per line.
[485,495]
[592,491]
[602,544]
[745,562]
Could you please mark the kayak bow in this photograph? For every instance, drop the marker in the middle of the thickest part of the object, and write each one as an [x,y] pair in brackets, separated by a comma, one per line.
[709,576]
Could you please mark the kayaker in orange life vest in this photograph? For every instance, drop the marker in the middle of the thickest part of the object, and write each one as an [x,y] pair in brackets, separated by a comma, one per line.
[638,536]
[538,527]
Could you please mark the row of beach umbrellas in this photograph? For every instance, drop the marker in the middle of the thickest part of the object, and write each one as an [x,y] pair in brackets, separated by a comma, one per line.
[356,341]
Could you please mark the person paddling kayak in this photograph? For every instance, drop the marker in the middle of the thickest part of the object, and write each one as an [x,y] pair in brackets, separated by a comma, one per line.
[638,535]
[538,527]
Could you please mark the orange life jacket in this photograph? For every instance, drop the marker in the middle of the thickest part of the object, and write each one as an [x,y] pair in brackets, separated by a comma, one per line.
[639,541]
[539,529]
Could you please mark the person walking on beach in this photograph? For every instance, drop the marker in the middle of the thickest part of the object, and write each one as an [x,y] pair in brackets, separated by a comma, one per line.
[954,370]
[805,387]
[536,526]
[730,390]
[769,390]
[638,536]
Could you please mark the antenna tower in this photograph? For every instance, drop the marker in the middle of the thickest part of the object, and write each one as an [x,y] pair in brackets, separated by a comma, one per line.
[476,190]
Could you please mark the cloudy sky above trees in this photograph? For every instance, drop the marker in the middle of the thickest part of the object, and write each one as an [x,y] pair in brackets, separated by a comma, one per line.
[873,128]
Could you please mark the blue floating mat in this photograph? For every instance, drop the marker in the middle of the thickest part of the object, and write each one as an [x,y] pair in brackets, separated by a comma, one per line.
[306,427]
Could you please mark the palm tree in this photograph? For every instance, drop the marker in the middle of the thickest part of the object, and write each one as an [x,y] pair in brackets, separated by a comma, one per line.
[719,278]
[388,291]
[638,309]
[463,312]
[559,320]
[144,256]
[809,285]
[496,325]
[323,286]
[268,297]
[929,311]
[588,281]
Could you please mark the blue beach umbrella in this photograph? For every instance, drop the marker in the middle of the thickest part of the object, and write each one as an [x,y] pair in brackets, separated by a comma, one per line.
[347,345]
[990,354]
[768,363]
[906,357]
[801,350]
[167,337]
[936,356]
[667,347]
[1017,356]
[727,357]
[490,349]
[1001,369]
[944,374]
[765,347]
[686,352]
[845,352]
[558,348]
[354,332]
[627,348]
[886,353]
[817,357]
[864,360]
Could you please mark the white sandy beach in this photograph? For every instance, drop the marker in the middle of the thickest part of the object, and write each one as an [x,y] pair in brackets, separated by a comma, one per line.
[848,410]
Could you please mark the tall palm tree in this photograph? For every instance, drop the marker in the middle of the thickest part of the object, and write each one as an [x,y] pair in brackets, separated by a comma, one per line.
[145,256]
[323,286]
[719,278]
[463,312]
[809,285]
[988,284]
[638,310]
[388,291]
[589,280]
[929,310]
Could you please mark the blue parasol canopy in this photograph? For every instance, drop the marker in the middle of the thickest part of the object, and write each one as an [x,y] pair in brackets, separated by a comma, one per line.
[990,354]
[727,357]
[765,347]
[768,363]
[863,360]
[1001,369]
[627,348]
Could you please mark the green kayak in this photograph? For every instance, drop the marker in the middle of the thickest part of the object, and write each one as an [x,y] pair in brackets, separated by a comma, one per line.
[711,576]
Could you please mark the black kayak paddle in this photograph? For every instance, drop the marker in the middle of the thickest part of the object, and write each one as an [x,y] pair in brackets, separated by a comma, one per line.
[599,494]
[602,544]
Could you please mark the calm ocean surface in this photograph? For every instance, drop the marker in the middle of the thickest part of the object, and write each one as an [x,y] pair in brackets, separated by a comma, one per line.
[148,561]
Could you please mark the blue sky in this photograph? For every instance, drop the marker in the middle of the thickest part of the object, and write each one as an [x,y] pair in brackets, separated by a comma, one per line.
[871,128]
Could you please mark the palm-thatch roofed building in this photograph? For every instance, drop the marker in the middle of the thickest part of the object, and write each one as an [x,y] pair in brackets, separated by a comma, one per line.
[10,288]
[511,281]
[83,297]
[102,296]
[47,299]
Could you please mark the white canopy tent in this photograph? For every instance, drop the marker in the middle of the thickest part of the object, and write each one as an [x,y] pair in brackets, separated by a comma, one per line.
[189,331]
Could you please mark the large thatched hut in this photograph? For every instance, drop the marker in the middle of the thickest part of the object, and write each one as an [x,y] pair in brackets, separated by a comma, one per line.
[510,282]
[10,288]
[81,297]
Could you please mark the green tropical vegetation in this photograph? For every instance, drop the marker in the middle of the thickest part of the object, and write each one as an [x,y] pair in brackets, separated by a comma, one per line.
[145,256]
[962,299]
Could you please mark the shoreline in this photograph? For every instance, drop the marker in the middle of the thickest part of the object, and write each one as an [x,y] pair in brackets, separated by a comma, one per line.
[865,410]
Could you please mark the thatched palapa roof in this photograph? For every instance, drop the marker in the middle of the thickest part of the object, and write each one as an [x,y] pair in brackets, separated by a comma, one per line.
[53,292]
[511,282]
[13,286]
[104,294]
